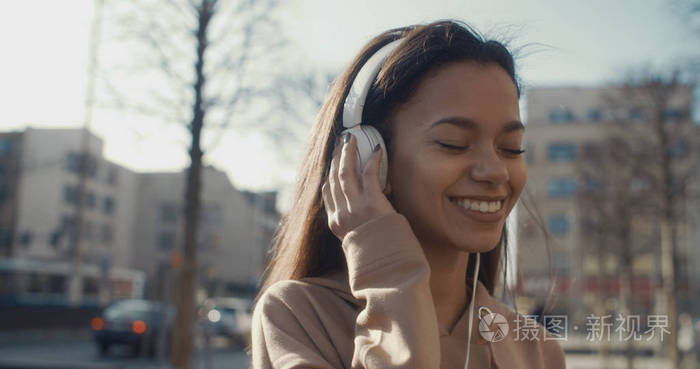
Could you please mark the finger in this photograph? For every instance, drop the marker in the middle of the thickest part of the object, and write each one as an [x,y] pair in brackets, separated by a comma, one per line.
[370,173]
[347,172]
[339,200]
[327,198]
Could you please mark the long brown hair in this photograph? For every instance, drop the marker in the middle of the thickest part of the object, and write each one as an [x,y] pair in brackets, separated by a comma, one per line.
[304,246]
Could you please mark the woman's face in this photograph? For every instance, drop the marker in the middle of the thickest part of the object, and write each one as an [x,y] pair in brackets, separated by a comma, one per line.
[455,170]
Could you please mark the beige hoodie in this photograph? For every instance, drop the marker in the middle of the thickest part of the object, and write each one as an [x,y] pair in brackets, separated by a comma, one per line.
[381,315]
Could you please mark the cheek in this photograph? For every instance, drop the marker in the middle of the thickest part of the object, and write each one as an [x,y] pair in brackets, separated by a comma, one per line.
[433,175]
[419,181]
[518,178]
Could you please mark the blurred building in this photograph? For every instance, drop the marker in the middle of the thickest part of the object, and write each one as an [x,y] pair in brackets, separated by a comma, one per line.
[264,205]
[563,127]
[10,150]
[233,235]
[41,168]
[132,222]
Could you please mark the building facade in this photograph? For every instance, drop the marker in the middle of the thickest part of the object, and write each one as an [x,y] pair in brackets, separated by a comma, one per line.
[131,222]
[556,249]
[232,235]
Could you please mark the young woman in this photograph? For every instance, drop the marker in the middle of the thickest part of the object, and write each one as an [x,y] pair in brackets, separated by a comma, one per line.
[391,253]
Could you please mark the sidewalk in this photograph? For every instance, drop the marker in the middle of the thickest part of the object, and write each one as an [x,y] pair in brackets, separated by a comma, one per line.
[33,336]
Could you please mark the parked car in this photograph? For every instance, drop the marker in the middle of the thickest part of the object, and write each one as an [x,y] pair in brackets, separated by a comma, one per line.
[229,316]
[136,323]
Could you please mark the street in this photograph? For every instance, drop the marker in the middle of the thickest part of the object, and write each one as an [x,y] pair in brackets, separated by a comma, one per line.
[81,354]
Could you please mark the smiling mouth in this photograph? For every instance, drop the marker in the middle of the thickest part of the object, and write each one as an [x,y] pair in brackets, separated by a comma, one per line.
[477,205]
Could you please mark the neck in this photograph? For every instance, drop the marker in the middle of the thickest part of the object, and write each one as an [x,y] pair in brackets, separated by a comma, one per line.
[448,268]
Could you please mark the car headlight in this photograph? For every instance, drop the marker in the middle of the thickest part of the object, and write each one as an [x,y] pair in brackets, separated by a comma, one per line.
[214,315]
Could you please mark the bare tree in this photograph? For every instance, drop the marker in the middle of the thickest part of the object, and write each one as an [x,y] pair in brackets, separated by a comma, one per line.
[636,181]
[209,64]
[615,192]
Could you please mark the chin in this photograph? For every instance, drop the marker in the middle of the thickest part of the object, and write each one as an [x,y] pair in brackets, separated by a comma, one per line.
[481,244]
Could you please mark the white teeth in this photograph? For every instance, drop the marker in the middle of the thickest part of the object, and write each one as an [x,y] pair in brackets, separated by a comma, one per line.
[481,206]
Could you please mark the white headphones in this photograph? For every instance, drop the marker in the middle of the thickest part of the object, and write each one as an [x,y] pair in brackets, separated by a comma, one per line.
[367,136]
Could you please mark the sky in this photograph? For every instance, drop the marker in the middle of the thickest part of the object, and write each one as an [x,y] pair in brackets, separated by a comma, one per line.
[43,77]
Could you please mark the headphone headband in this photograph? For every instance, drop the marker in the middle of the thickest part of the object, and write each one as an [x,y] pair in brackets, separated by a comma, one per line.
[355,101]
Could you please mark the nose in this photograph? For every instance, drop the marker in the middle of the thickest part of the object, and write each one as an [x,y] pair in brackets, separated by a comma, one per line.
[488,167]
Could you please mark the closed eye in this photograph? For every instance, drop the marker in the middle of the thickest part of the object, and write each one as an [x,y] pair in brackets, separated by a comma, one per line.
[452,147]
[514,151]
[461,148]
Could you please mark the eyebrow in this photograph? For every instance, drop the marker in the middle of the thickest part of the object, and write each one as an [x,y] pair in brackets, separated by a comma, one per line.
[466,123]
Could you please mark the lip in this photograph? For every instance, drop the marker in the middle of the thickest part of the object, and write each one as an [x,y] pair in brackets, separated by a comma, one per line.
[479,216]
[481,198]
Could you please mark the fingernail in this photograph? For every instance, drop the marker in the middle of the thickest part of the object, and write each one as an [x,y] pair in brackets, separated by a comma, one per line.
[376,148]
[346,138]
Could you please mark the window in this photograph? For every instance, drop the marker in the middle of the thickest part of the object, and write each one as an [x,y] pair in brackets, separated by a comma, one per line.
[558,225]
[166,241]
[561,115]
[70,195]
[4,184]
[6,238]
[112,177]
[594,115]
[635,114]
[561,152]
[561,187]
[672,114]
[7,146]
[64,234]
[73,160]
[108,205]
[107,234]
[169,213]
[90,199]
[678,149]
[25,239]
[591,184]
[55,239]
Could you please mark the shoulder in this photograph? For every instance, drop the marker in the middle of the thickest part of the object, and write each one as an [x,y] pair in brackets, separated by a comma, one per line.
[287,295]
[291,325]
[285,309]
[304,301]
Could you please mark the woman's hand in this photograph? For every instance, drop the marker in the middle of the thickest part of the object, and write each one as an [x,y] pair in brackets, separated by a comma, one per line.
[351,201]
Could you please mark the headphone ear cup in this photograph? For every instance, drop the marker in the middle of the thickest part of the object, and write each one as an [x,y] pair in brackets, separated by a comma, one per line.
[367,138]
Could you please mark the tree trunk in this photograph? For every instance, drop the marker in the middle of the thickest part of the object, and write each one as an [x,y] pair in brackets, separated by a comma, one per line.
[183,328]
[670,249]
[627,264]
